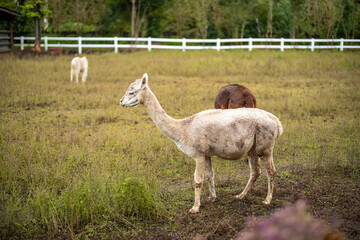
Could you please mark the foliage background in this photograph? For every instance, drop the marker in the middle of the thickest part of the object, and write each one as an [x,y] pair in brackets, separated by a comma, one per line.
[199,19]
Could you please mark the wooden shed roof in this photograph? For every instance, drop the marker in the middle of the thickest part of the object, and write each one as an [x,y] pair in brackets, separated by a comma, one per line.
[7,14]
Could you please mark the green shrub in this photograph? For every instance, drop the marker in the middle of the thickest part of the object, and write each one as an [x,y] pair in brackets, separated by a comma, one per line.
[135,199]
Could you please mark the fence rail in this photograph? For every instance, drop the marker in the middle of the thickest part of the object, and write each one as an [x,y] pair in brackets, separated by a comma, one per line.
[188,44]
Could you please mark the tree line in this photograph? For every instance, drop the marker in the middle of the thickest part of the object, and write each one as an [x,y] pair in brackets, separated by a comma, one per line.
[195,18]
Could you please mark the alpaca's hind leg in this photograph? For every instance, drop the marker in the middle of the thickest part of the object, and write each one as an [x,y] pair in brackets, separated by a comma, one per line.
[254,174]
[83,76]
[198,181]
[267,160]
[71,75]
[210,178]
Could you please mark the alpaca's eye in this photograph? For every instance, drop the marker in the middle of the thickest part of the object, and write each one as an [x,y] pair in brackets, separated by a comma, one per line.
[131,93]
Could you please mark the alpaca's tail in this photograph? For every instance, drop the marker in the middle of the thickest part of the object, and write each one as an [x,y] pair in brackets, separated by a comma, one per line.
[278,123]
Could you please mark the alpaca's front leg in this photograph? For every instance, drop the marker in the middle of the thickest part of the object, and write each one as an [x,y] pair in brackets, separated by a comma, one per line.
[198,181]
[77,75]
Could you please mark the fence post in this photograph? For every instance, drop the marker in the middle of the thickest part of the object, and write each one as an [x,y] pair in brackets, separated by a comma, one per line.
[183,44]
[116,45]
[250,44]
[218,44]
[312,44]
[149,44]
[22,43]
[341,44]
[79,46]
[282,44]
[46,43]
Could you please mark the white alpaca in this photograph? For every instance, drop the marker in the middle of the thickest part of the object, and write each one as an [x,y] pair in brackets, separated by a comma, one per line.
[228,134]
[79,65]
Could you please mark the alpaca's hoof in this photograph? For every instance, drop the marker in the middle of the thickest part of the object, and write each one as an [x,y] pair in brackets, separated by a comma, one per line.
[194,210]
[240,196]
[211,199]
[266,202]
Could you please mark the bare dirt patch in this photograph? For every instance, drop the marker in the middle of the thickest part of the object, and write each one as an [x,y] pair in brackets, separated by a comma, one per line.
[332,196]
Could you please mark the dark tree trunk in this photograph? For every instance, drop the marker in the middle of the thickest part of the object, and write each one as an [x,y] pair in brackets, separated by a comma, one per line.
[37,35]
[133,17]
[37,31]
[257,22]
[269,21]
[242,29]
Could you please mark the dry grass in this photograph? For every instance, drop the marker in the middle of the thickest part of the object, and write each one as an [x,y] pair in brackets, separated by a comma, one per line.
[68,151]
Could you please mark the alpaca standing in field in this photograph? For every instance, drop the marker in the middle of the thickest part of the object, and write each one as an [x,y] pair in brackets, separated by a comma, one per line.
[228,134]
[234,96]
[79,65]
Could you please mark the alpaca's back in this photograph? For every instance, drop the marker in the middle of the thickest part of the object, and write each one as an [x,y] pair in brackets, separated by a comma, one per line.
[75,64]
[79,63]
[234,96]
[230,133]
[83,64]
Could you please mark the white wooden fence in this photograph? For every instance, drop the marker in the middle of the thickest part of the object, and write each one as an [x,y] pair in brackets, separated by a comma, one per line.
[187,44]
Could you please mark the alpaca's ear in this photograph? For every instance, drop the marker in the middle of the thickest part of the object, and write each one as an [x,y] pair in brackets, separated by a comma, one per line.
[144,80]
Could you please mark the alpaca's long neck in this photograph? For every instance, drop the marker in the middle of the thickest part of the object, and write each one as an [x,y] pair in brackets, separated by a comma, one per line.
[164,122]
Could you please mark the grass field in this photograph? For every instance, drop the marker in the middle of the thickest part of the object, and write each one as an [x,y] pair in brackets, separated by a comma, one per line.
[76,165]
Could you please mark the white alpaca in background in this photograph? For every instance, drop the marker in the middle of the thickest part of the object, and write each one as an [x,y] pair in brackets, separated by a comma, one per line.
[79,65]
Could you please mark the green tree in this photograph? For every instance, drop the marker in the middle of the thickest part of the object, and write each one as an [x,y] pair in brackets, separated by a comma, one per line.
[321,17]
[158,22]
[239,13]
[180,17]
[288,18]
[200,14]
[139,11]
[199,19]
[87,14]
[348,19]
[59,15]
[9,4]
[33,9]
[116,20]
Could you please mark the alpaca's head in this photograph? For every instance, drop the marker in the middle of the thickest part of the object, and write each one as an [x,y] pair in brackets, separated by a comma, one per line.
[133,95]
